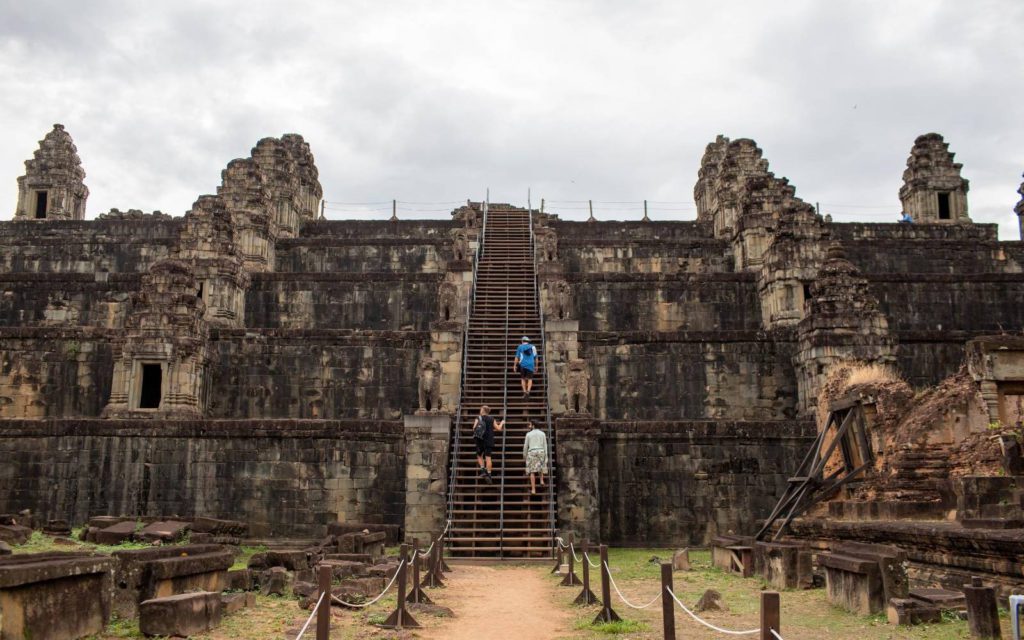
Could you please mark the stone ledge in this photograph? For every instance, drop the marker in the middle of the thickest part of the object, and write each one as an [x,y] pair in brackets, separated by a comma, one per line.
[944,278]
[613,338]
[352,429]
[354,276]
[684,279]
[671,430]
[19,570]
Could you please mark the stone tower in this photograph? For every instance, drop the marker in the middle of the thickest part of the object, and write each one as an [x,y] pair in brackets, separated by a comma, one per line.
[842,321]
[1019,209]
[933,191]
[52,187]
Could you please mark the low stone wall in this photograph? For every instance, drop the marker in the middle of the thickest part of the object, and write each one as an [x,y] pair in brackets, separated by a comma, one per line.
[66,299]
[326,254]
[940,554]
[282,477]
[673,483]
[989,302]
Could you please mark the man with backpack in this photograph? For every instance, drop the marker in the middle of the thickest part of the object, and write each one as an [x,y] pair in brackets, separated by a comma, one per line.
[525,363]
[483,437]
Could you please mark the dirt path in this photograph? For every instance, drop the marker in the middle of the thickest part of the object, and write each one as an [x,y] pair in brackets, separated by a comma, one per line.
[513,603]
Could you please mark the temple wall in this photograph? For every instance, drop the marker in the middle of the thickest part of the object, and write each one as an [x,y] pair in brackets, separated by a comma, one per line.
[931,302]
[663,302]
[314,374]
[334,255]
[689,375]
[66,299]
[379,301]
[288,478]
[673,483]
[86,246]
[54,372]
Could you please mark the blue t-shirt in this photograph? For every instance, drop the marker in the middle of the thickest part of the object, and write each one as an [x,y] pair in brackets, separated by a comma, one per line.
[526,353]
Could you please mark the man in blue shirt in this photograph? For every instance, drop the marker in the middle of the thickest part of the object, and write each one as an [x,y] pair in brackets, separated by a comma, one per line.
[525,363]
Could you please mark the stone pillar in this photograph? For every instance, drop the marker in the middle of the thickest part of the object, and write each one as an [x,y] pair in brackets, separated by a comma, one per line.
[578,474]
[426,474]
[562,348]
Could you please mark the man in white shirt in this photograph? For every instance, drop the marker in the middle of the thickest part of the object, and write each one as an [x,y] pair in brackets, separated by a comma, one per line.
[535,450]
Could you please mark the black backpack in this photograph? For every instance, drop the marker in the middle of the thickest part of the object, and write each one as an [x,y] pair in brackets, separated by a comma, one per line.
[480,430]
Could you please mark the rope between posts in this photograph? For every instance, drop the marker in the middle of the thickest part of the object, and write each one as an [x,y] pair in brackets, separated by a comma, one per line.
[311,616]
[711,626]
[593,565]
[401,566]
[426,552]
[628,603]
[776,634]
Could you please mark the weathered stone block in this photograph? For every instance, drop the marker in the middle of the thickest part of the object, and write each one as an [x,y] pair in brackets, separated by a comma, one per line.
[182,615]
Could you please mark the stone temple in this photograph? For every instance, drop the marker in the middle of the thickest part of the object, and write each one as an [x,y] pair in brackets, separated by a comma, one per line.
[254,361]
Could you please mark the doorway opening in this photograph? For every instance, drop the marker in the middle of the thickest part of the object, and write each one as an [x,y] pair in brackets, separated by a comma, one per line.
[944,213]
[41,204]
[152,381]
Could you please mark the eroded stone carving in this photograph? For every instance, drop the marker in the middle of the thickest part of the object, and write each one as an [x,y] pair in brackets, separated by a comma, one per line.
[1019,209]
[558,300]
[460,244]
[547,244]
[933,190]
[448,301]
[577,387]
[467,215]
[53,186]
[430,386]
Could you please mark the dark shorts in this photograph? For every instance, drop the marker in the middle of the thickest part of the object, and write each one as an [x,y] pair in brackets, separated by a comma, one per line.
[524,373]
[483,447]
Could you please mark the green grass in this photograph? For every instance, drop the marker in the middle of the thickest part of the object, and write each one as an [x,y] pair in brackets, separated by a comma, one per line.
[621,626]
[242,561]
[40,543]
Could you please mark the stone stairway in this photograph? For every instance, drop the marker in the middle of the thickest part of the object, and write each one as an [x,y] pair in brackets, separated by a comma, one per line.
[501,519]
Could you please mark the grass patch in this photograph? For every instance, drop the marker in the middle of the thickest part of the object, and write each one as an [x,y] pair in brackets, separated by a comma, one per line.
[242,561]
[611,628]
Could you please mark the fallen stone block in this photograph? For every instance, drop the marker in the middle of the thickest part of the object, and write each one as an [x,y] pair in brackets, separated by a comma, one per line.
[345,568]
[164,531]
[102,522]
[220,527]
[350,557]
[359,587]
[291,559]
[159,572]
[57,528]
[275,581]
[907,611]
[303,589]
[181,615]
[57,596]
[232,602]
[681,560]
[385,570]
[944,599]
[784,565]
[5,549]
[14,534]
[393,532]
[239,580]
[116,533]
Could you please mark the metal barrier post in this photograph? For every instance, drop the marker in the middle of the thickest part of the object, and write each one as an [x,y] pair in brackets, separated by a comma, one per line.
[558,557]
[607,613]
[323,614]
[770,614]
[586,596]
[400,618]
[570,579]
[417,595]
[668,609]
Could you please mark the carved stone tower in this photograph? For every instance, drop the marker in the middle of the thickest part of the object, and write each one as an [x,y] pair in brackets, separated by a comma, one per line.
[52,187]
[790,264]
[1019,209]
[933,191]
[841,322]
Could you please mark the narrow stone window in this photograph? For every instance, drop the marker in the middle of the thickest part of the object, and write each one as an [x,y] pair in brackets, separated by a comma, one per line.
[152,379]
[199,292]
[40,204]
[943,206]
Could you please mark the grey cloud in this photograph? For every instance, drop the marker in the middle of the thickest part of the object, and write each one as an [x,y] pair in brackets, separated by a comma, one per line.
[575,100]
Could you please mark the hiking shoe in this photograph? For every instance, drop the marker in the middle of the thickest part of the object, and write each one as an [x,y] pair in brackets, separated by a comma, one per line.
[488,478]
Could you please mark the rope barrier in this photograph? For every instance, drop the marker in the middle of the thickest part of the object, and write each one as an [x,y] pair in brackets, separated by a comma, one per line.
[776,634]
[335,598]
[593,565]
[623,598]
[312,615]
[708,624]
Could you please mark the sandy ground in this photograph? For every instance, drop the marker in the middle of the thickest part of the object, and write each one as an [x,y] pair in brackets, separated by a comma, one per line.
[514,603]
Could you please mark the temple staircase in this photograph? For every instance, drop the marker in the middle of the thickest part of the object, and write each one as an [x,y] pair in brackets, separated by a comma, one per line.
[501,519]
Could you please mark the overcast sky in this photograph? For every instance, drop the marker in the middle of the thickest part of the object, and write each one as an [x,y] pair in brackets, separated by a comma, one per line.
[435,102]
